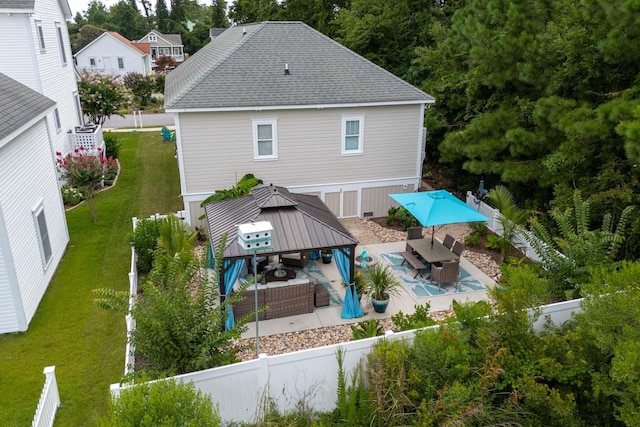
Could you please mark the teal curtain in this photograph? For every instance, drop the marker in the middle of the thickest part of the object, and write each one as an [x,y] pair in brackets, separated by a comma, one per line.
[351,305]
[231,270]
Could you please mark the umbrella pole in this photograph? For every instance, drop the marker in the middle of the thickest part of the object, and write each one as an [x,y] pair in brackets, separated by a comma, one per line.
[433,230]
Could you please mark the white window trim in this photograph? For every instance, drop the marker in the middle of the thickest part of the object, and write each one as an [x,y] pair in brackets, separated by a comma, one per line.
[63,53]
[153,38]
[118,61]
[35,213]
[343,141]
[56,120]
[40,35]
[274,138]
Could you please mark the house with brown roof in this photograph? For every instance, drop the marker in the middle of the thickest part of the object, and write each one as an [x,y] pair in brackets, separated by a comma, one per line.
[111,53]
[164,45]
[284,102]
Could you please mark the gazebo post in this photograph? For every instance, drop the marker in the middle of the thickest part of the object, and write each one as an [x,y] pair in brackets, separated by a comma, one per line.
[352,263]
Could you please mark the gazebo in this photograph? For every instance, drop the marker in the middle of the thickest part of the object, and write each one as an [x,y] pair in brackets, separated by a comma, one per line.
[300,223]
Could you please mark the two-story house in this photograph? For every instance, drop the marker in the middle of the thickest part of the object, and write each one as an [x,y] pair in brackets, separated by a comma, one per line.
[39,113]
[164,45]
[293,107]
[35,41]
[112,53]
[33,228]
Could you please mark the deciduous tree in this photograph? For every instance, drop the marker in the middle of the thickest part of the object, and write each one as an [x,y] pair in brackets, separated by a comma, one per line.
[101,96]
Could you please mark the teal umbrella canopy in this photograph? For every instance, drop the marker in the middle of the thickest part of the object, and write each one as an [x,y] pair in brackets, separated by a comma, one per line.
[437,207]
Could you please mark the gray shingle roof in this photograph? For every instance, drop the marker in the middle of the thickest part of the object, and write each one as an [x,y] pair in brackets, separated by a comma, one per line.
[299,221]
[241,69]
[17,4]
[19,104]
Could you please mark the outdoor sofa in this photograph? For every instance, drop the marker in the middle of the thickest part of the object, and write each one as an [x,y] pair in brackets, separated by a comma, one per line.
[284,298]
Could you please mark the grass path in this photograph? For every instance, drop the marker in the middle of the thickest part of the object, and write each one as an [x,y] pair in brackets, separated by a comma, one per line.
[85,343]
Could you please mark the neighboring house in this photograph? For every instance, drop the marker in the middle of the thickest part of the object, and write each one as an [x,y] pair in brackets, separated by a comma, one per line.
[111,53]
[164,45]
[293,107]
[37,52]
[33,228]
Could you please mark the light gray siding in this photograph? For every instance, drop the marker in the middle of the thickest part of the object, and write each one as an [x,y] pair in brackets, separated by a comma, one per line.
[30,181]
[349,204]
[332,200]
[377,199]
[22,66]
[217,148]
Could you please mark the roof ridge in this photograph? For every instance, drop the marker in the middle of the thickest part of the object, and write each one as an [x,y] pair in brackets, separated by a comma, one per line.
[220,60]
[362,58]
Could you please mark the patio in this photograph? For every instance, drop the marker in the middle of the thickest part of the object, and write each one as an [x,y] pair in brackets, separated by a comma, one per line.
[405,302]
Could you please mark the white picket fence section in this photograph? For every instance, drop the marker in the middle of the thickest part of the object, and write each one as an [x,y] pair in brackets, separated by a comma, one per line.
[49,400]
[494,225]
[310,376]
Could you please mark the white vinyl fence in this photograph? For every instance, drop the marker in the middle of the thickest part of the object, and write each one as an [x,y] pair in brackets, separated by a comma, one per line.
[494,225]
[49,400]
[129,357]
[310,375]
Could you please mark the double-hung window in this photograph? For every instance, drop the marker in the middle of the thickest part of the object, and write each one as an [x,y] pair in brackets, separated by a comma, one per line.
[56,116]
[352,135]
[63,54]
[42,234]
[40,36]
[121,63]
[265,139]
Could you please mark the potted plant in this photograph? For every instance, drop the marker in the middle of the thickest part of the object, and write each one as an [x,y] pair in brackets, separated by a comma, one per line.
[381,285]
[326,256]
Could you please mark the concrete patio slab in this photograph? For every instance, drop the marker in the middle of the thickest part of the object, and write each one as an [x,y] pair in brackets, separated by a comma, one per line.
[405,302]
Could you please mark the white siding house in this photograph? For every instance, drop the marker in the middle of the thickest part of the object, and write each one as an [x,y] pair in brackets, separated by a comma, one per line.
[35,44]
[33,229]
[296,109]
[111,53]
[164,45]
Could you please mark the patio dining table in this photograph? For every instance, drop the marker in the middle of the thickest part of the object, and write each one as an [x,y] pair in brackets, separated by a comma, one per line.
[431,252]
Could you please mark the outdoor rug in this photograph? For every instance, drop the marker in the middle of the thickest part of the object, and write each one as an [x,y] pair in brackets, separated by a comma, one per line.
[313,272]
[422,288]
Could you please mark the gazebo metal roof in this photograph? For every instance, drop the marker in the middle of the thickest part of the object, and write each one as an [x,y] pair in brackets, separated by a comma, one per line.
[300,222]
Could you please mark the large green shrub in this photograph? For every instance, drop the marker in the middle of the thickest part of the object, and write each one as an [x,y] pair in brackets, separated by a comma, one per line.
[162,403]
[112,144]
[141,87]
[145,240]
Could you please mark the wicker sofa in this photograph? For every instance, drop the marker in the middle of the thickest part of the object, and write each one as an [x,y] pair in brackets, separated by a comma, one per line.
[295,296]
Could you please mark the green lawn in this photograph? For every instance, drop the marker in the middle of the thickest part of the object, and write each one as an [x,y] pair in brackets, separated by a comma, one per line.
[83,342]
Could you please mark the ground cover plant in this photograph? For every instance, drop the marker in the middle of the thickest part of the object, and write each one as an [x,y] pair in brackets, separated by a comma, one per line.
[86,343]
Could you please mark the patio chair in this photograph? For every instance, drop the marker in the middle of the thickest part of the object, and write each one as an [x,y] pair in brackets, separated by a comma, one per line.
[296,259]
[414,233]
[447,273]
[457,248]
[448,241]
[167,135]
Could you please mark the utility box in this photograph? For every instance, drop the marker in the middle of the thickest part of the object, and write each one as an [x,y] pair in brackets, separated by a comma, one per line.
[255,236]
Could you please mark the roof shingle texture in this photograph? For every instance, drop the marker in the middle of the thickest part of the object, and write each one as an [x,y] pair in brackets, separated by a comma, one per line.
[17,4]
[19,104]
[299,221]
[245,67]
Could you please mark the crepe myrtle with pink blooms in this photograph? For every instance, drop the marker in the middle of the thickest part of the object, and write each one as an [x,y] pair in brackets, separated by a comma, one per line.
[85,171]
[101,96]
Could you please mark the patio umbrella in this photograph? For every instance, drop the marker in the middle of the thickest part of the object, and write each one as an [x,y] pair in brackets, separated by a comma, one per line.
[437,207]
